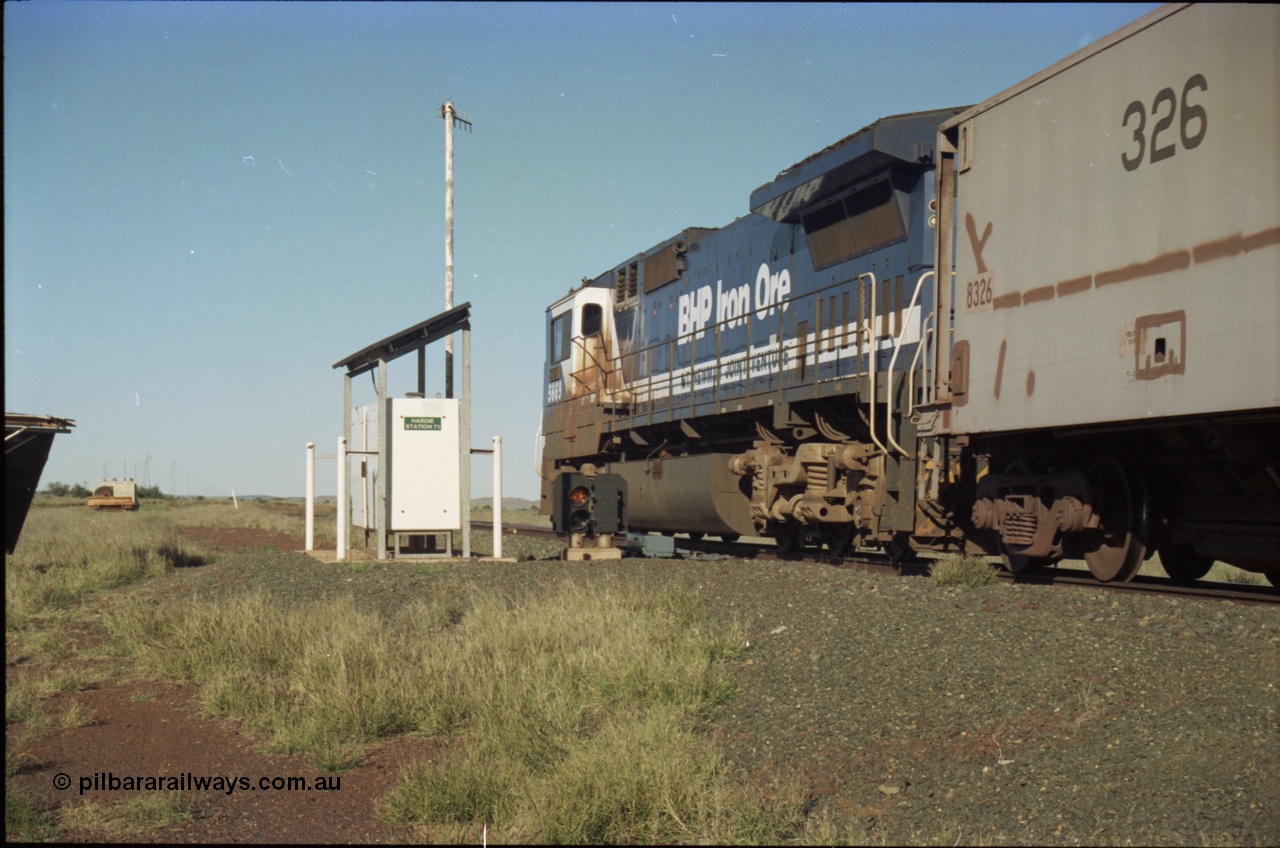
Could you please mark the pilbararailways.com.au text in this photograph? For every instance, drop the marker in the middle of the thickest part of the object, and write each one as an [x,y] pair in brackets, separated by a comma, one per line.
[187,782]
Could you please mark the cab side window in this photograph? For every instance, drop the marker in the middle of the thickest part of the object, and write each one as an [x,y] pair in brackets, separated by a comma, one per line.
[592,320]
[560,337]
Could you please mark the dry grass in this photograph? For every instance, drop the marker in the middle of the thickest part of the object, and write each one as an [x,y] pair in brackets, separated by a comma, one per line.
[962,570]
[64,554]
[277,516]
[576,713]
[25,820]
[128,817]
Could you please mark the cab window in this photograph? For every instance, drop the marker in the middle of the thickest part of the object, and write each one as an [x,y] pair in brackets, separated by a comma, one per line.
[560,337]
[592,319]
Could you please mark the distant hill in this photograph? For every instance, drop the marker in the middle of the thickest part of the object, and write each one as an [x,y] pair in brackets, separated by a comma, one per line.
[507,503]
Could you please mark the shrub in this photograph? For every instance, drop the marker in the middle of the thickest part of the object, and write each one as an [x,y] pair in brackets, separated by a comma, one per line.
[962,570]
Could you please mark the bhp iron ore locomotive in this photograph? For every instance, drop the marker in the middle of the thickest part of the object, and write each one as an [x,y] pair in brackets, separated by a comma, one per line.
[1042,327]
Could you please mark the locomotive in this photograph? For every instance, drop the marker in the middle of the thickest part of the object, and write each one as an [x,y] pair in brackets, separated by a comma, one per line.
[1037,328]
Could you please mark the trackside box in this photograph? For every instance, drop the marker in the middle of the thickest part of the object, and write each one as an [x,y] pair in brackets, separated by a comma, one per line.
[1117,229]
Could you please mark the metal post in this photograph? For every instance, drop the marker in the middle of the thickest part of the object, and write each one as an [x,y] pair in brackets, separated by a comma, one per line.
[448,115]
[384,479]
[311,496]
[448,241]
[465,453]
[450,118]
[497,497]
[344,519]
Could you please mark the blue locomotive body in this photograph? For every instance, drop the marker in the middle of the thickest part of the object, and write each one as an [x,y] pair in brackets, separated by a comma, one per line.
[780,325]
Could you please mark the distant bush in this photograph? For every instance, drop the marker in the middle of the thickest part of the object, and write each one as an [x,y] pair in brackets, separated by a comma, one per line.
[962,570]
[62,490]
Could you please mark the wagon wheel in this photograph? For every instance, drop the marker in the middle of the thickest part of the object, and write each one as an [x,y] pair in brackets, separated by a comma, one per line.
[1183,564]
[696,536]
[838,538]
[789,537]
[1115,551]
[730,538]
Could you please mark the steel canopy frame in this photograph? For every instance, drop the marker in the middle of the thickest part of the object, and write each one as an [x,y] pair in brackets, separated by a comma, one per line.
[27,440]
[378,355]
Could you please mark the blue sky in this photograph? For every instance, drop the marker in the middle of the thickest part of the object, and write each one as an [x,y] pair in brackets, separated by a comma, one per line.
[208,204]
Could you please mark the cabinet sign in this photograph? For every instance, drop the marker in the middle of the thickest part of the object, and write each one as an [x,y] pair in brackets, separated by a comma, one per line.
[421,423]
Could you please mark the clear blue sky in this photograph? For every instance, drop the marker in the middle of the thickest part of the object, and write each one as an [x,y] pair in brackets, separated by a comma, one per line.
[208,204]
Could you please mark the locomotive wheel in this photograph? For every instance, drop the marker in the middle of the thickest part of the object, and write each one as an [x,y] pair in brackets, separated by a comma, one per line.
[1115,552]
[1183,564]
[697,537]
[789,537]
[838,538]
[730,538]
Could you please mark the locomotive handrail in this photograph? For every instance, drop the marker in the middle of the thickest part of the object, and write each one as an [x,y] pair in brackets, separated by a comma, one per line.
[872,364]
[897,346]
[926,330]
[606,369]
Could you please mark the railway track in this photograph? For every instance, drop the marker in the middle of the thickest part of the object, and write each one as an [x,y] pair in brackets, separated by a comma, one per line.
[1056,576]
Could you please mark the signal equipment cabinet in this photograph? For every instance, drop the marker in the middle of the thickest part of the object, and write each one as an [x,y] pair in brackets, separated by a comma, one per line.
[423,472]
[422,483]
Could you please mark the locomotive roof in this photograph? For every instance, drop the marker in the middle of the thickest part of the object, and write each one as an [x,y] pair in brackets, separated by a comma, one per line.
[905,138]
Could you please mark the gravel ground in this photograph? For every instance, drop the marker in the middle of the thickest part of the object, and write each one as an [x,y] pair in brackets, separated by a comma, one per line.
[916,713]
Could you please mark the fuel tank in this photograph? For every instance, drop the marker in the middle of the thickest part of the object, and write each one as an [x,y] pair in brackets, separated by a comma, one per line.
[686,494]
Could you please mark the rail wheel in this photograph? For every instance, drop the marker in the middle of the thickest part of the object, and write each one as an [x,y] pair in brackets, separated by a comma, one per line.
[1115,551]
[730,538]
[789,537]
[697,537]
[838,538]
[1183,564]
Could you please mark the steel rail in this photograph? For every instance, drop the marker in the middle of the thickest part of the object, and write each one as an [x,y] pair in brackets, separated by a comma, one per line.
[865,561]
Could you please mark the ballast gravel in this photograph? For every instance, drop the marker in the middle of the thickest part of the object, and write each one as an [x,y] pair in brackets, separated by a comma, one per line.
[914,713]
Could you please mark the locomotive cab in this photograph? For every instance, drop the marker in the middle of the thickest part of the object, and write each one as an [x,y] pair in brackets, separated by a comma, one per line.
[582,345]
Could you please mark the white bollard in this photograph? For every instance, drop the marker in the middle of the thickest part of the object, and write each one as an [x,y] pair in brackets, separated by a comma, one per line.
[311,496]
[344,520]
[497,497]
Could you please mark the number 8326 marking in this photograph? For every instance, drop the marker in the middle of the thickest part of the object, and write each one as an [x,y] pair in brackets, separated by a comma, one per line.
[1193,124]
